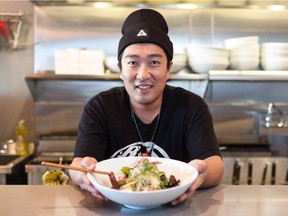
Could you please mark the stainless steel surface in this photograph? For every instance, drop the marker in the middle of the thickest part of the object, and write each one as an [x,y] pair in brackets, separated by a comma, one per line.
[12,168]
[232,200]
[93,28]
[8,162]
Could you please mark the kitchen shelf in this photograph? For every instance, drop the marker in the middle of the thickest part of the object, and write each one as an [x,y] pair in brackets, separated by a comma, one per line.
[106,77]
[257,75]
[35,81]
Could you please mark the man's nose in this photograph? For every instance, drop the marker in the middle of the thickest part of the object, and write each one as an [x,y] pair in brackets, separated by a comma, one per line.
[143,72]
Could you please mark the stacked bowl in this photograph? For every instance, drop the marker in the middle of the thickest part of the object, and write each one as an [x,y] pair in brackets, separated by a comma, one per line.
[202,59]
[244,52]
[274,56]
[179,62]
[111,63]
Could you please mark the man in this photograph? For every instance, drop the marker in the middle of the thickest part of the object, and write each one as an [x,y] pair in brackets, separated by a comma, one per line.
[147,116]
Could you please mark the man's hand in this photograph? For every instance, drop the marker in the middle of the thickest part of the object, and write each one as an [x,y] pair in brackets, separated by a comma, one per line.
[80,178]
[210,173]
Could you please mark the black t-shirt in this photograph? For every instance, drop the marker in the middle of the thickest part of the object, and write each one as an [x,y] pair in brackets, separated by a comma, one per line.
[185,130]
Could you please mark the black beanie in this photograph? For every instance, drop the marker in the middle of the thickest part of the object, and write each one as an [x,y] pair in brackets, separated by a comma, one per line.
[145,26]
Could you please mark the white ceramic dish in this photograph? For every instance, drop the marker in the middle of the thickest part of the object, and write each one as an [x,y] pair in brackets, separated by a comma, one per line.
[274,45]
[204,51]
[111,62]
[251,50]
[274,63]
[274,49]
[244,63]
[177,66]
[149,199]
[234,43]
[204,65]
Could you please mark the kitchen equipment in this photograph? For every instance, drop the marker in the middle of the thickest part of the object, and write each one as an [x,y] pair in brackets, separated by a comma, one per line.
[255,170]
[57,147]
[110,174]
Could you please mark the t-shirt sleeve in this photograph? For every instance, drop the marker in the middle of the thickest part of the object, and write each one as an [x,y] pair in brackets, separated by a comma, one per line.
[92,135]
[201,138]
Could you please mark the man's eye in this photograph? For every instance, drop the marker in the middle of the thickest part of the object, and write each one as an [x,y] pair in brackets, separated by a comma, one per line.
[154,62]
[132,63]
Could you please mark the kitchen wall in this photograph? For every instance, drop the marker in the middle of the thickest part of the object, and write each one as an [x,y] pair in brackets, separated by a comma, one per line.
[15,99]
[60,27]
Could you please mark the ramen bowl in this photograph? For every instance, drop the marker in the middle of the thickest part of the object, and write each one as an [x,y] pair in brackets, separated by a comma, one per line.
[184,172]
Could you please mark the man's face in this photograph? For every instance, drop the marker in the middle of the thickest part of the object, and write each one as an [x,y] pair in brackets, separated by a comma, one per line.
[144,72]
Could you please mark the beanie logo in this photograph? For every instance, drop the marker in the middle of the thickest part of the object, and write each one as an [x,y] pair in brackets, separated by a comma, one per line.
[142,33]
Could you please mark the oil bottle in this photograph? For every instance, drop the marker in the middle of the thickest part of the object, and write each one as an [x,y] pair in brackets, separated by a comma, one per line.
[21,139]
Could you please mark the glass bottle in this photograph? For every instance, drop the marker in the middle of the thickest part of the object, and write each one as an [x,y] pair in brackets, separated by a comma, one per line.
[21,139]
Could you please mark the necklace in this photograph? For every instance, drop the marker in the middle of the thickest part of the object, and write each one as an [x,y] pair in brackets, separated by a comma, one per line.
[150,144]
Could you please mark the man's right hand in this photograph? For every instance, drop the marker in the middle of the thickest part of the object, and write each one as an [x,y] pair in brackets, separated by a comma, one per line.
[80,178]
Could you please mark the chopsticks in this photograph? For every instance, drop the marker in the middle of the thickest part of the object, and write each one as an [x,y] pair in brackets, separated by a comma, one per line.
[110,174]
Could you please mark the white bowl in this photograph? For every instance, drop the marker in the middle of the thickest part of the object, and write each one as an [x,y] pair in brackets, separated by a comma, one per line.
[274,49]
[234,43]
[198,51]
[144,199]
[274,54]
[250,50]
[111,62]
[274,63]
[244,63]
[274,45]
[177,66]
[204,65]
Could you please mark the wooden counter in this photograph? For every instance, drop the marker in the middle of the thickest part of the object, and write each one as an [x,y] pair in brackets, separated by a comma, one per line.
[67,200]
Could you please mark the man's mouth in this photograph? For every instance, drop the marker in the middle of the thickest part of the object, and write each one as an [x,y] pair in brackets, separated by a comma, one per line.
[144,87]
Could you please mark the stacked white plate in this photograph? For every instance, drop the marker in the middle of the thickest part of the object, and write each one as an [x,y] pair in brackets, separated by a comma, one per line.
[274,56]
[179,62]
[79,61]
[202,59]
[244,52]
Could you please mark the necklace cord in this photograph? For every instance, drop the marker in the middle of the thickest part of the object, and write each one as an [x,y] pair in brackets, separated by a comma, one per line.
[138,131]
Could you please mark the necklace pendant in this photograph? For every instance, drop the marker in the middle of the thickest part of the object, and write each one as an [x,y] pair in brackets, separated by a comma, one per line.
[149,146]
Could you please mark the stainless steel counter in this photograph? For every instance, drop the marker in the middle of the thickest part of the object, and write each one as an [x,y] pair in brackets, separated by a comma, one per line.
[68,200]
[13,165]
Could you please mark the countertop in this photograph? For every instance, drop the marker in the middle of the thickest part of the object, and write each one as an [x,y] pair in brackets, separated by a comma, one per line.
[222,200]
